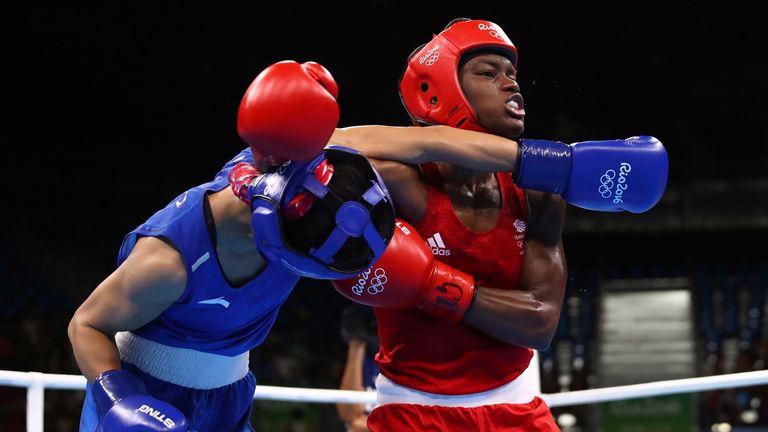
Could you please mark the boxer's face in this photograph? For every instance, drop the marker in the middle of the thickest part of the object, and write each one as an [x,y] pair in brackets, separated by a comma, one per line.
[489,82]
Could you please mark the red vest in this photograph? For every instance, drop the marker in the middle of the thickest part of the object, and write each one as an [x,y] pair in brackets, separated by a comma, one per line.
[436,356]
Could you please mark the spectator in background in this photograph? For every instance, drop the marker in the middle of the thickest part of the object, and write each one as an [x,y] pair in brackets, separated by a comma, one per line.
[358,329]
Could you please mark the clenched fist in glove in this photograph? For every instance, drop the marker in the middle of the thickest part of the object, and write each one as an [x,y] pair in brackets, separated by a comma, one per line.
[407,275]
[289,112]
[124,405]
[612,175]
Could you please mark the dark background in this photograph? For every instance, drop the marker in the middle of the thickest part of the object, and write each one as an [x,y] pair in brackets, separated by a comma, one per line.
[113,109]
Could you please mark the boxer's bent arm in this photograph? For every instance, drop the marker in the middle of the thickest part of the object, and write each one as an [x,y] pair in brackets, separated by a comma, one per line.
[528,317]
[410,144]
[147,283]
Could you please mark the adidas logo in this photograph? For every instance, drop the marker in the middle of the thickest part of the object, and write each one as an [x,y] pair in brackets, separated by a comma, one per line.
[438,247]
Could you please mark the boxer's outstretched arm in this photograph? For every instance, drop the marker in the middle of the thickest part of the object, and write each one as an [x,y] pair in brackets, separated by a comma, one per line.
[410,144]
[610,175]
[148,282]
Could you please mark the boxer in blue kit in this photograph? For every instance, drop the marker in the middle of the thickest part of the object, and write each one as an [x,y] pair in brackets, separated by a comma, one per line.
[164,340]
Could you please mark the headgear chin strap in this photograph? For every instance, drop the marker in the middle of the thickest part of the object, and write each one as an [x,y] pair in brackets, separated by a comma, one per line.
[273,191]
[429,87]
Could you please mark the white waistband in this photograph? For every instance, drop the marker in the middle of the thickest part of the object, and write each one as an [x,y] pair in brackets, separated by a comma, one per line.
[181,366]
[521,390]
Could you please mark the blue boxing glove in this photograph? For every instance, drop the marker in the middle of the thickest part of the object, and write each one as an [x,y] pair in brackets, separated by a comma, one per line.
[123,405]
[611,176]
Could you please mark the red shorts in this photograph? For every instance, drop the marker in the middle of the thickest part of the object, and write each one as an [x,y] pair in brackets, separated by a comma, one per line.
[533,416]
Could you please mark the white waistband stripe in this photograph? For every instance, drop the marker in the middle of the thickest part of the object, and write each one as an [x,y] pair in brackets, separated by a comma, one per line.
[521,390]
[181,366]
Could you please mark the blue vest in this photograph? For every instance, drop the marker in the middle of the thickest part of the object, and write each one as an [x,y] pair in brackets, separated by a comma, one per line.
[211,315]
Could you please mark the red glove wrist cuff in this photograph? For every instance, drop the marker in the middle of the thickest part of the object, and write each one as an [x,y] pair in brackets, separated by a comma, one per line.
[449,293]
[240,176]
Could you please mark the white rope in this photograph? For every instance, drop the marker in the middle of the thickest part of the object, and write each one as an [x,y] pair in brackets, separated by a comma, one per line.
[264,392]
[50,381]
[657,388]
[36,382]
[292,394]
[296,394]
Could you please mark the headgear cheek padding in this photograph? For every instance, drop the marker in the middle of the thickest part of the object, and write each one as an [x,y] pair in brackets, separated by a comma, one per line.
[272,191]
[430,88]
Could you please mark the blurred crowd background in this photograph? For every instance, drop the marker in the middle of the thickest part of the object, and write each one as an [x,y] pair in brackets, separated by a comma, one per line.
[113,109]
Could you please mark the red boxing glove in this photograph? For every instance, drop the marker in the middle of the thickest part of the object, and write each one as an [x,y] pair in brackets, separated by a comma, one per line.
[289,112]
[407,275]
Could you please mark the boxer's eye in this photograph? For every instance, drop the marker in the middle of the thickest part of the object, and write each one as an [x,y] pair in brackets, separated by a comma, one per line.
[488,73]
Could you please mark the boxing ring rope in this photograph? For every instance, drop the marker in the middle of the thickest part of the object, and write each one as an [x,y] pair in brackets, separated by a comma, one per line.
[37,382]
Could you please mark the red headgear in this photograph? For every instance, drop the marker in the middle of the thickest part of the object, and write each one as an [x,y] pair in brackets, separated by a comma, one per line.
[429,86]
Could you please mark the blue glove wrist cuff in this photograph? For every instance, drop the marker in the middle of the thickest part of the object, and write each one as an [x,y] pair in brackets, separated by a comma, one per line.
[112,386]
[543,165]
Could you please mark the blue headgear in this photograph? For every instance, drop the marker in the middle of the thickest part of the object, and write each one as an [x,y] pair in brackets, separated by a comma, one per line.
[272,191]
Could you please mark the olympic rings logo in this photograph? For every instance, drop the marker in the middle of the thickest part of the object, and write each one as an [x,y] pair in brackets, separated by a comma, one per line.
[431,56]
[606,183]
[493,31]
[378,281]
[432,59]
[606,188]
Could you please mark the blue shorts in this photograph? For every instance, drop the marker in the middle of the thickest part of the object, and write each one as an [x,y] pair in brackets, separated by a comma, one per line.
[223,409]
